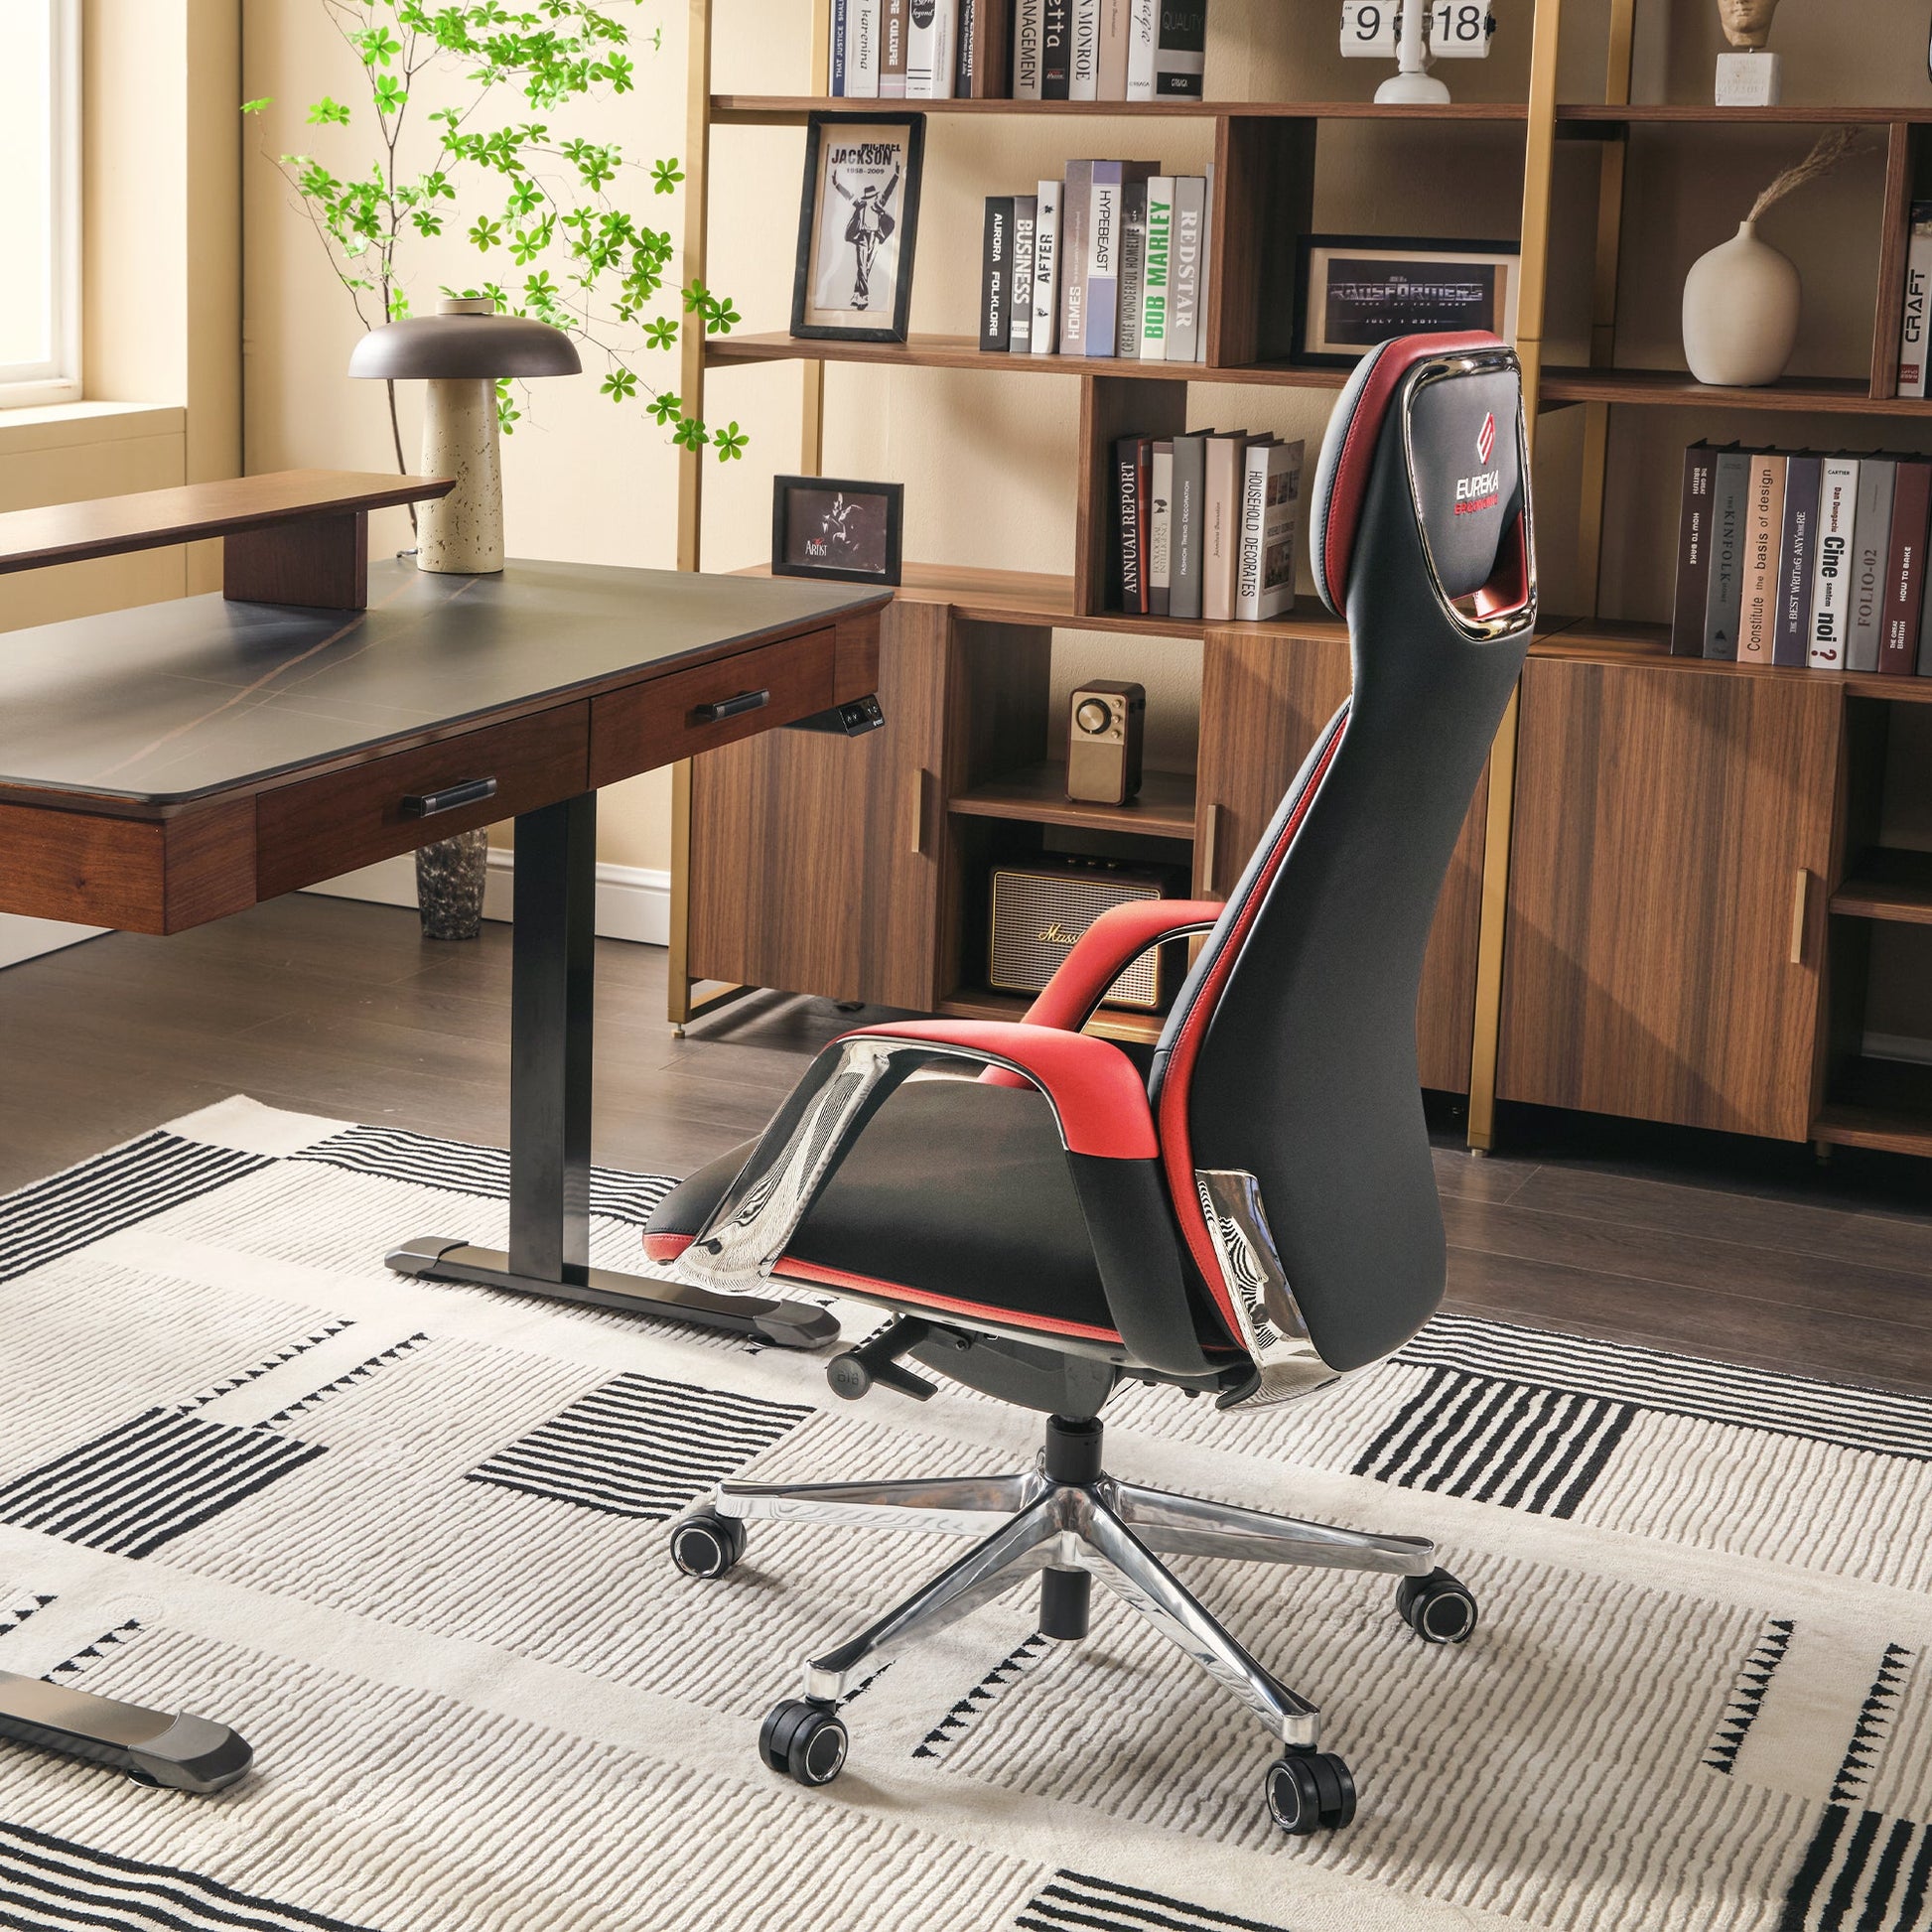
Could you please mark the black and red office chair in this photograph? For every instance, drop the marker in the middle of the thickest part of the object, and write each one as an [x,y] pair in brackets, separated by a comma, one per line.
[1257,1215]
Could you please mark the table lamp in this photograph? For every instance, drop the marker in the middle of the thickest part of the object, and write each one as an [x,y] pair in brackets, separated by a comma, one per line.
[461,352]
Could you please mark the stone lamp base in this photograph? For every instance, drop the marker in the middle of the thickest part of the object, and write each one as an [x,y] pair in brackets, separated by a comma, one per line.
[462,534]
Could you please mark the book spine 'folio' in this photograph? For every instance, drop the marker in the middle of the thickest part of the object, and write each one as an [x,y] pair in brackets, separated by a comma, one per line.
[1076,216]
[1911,503]
[1155,258]
[1693,552]
[1046,269]
[1727,495]
[1026,23]
[1133,268]
[1143,31]
[1757,621]
[1830,586]
[1801,478]
[996,276]
[1916,314]
[1056,49]
[1181,54]
[1160,528]
[1184,270]
[1871,549]
[1184,559]
[1026,221]
[1084,81]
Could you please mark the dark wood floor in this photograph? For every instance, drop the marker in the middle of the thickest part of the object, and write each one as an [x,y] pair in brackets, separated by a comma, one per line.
[1734,1249]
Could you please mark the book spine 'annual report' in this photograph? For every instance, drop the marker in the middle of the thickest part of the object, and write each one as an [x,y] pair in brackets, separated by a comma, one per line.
[1159,526]
[1155,258]
[996,276]
[1027,17]
[1143,32]
[1184,270]
[1076,216]
[1912,501]
[1727,494]
[1793,641]
[1056,49]
[1133,268]
[1046,269]
[1830,586]
[1130,459]
[1084,81]
[1758,619]
[1871,552]
[1181,50]
[1693,552]
[1913,346]
[1025,219]
[1184,552]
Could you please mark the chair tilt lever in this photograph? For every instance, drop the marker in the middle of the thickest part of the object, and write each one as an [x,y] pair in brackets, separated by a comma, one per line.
[856,1370]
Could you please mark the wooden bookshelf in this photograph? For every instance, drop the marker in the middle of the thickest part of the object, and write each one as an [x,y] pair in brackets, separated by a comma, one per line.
[1036,794]
[1882,884]
[789,110]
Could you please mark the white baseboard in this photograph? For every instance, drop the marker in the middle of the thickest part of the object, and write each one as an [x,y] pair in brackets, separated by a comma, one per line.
[29,938]
[632,901]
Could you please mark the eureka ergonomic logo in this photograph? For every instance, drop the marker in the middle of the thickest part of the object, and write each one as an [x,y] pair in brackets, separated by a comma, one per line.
[1483,490]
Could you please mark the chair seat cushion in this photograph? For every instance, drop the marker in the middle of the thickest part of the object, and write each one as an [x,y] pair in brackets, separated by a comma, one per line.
[956,1197]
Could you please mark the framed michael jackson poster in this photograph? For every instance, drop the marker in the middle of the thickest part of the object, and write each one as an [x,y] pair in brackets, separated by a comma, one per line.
[857,226]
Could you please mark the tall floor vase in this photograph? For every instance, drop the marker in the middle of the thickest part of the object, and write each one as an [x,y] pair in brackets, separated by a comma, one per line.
[449,878]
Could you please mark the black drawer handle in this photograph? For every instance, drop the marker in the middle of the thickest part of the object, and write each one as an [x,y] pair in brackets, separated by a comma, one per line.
[426,804]
[711,714]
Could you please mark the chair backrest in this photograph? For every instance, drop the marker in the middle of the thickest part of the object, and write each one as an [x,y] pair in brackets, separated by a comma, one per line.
[1290,1056]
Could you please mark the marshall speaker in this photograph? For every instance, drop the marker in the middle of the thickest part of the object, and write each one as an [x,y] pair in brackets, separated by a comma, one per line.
[1104,724]
[1039,911]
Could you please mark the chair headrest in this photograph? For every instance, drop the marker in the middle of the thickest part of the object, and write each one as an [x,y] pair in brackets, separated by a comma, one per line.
[1466,483]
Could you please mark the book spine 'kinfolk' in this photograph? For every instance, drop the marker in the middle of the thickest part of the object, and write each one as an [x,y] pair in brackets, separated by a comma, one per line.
[1912,501]
[1184,551]
[1830,586]
[1184,270]
[1155,256]
[1727,494]
[1084,82]
[1913,346]
[1025,219]
[996,276]
[1133,268]
[1693,552]
[1795,555]
[1026,21]
[1180,52]
[1143,32]
[1871,552]
[1076,218]
[1757,621]
[1130,454]
[1160,528]
[1056,49]
[1046,269]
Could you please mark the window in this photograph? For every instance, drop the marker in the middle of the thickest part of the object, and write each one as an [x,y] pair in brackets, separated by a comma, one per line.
[40,211]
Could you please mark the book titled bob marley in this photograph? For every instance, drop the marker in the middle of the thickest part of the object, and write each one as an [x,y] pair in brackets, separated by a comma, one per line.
[857,224]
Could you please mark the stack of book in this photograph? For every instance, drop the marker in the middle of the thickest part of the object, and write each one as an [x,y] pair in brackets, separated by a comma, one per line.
[1205,525]
[1108,50]
[919,49]
[1792,557]
[1111,262]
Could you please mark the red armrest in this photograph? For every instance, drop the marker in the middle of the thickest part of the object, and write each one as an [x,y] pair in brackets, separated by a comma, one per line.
[1107,948]
[1096,1092]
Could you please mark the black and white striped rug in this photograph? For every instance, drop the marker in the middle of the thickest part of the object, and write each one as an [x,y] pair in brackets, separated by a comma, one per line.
[409,1540]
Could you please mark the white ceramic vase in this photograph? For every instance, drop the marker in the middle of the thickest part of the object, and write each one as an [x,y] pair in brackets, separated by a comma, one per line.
[1740,311]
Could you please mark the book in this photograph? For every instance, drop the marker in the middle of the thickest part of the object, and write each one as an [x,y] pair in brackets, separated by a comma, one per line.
[996,275]
[1831,584]
[962,59]
[1101,301]
[1720,607]
[1184,539]
[1757,618]
[1025,216]
[1206,268]
[1185,333]
[1220,545]
[1055,50]
[1925,638]
[985,48]
[1911,501]
[1181,50]
[1114,27]
[1693,552]
[1871,553]
[862,49]
[1076,220]
[841,24]
[1083,79]
[1046,269]
[1160,525]
[1129,468]
[932,50]
[1793,641]
[1133,266]
[1153,345]
[1271,496]
[892,49]
[1026,49]
[1142,26]
[1912,344]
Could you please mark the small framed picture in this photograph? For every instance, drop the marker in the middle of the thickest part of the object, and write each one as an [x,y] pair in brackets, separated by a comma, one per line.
[827,526]
[1352,291]
[857,226]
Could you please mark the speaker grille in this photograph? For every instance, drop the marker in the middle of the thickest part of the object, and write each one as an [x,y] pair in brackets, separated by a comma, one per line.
[1038,917]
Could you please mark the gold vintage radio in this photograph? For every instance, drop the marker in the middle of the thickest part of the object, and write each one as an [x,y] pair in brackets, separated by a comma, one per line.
[1039,911]
[1105,723]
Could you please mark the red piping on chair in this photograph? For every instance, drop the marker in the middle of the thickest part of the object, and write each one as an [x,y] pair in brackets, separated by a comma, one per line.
[794,1269]
[666,1247]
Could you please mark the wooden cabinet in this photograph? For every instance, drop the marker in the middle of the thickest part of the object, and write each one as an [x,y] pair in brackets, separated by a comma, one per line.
[1672,847]
[814,857]
[1264,702]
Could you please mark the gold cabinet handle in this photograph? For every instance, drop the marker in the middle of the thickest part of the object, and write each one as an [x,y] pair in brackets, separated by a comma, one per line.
[1800,914]
[1209,821]
[917,800]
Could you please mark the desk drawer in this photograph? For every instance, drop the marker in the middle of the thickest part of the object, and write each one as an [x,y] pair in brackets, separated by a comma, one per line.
[644,726]
[345,819]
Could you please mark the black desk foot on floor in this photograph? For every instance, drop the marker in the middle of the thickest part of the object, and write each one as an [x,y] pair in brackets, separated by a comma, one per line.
[153,1746]
[788,1324]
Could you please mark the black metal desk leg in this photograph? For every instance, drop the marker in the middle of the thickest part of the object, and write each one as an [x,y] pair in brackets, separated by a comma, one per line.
[551,1002]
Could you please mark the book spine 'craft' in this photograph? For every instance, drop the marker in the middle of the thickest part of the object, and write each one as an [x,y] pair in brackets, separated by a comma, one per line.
[1911,503]
[891,49]
[1056,49]
[1114,28]
[1871,553]
[1076,218]
[861,57]
[1758,619]
[1130,459]
[1180,52]
[1270,508]
[1026,221]
[1831,588]
[1046,269]
[1143,31]
[1693,552]
[1026,24]
[1185,331]
[1801,478]
[1913,346]
[1184,559]
[1159,526]
[841,30]
[1221,523]
[1133,268]
[1727,495]
[1084,82]
[996,276]
[1153,347]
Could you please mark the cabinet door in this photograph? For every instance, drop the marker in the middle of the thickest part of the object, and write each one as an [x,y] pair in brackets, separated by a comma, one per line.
[1672,841]
[811,867]
[1264,702]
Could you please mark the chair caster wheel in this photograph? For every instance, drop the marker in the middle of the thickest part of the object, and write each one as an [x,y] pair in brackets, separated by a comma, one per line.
[1437,1607]
[804,1740]
[1308,1792]
[706,1544]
